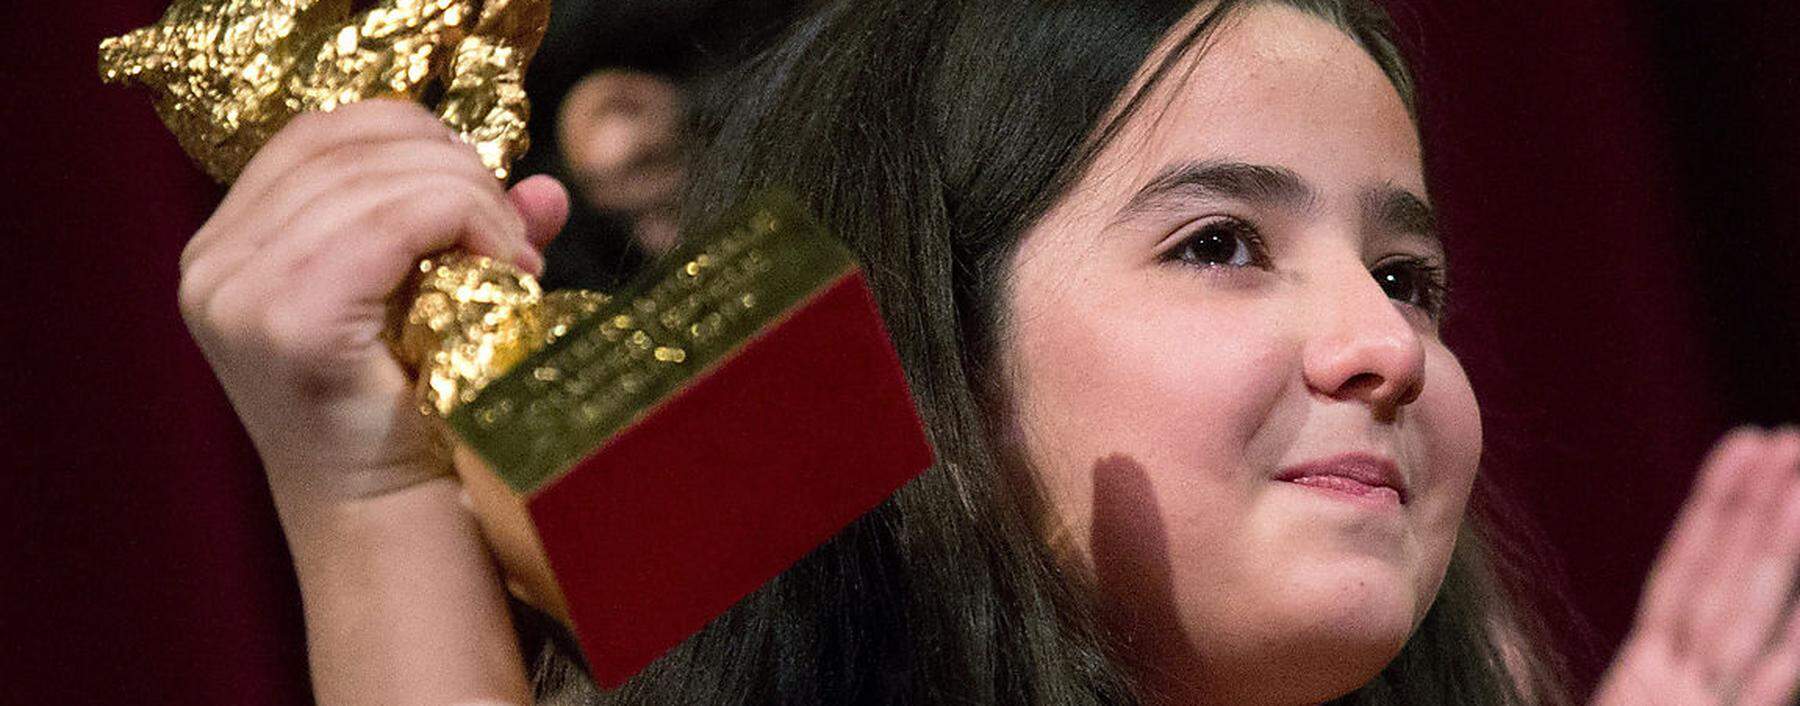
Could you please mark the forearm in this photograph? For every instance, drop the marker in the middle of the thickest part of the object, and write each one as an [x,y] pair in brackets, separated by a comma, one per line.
[402,603]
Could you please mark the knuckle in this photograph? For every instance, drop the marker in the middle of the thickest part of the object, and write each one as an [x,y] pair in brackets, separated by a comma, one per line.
[427,208]
[292,332]
[191,298]
[309,121]
[411,117]
[210,305]
[431,212]
[290,338]
[219,325]
[427,124]
[328,160]
[191,252]
[299,135]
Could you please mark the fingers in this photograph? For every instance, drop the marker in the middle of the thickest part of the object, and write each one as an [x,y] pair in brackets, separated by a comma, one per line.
[1687,555]
[373,164]
[374,120]
[1775,681]
[368,162]
[291,282]
[1766,648]
[482,223]
[367,246]
[1766,562]
[343,265]
[286,289]
[1730,593]
[339,138]
[318,192]
[543,203]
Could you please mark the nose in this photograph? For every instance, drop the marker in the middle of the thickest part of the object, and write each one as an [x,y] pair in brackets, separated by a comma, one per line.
[1362,348]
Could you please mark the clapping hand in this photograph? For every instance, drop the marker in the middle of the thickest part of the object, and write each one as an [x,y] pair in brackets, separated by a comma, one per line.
[1718,624]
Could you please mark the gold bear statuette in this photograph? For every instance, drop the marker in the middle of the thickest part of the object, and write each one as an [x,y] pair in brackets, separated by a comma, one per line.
[228,74]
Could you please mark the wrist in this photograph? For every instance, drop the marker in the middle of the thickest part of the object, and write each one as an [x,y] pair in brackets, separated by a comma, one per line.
[322,521]
[402,601]
[343,454]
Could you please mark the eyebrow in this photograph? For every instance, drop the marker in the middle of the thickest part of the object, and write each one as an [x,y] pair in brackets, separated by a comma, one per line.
[1387,208]
[1256,184]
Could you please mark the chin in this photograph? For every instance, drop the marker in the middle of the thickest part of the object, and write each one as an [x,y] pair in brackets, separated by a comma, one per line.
[1363,607]
[1326,632]
[1357,600]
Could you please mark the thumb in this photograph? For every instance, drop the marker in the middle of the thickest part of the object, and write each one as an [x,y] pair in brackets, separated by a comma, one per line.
[543,203]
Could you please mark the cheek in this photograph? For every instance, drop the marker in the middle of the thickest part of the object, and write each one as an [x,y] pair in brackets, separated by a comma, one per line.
[1127,381]
[1454,422]
[1450,420]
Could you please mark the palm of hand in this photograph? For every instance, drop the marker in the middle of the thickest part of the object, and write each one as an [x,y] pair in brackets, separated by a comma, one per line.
[1718,623]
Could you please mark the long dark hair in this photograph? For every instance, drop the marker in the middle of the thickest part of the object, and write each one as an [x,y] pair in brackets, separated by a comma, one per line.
[929,135]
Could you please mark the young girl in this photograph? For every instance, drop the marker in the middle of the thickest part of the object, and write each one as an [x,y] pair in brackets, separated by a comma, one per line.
[1167,287]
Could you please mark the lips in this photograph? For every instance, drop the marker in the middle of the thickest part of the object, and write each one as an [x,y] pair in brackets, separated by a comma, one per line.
[1347,472]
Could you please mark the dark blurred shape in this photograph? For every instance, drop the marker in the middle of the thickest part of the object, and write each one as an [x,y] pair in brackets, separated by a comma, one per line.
[683,41]
[1729,76]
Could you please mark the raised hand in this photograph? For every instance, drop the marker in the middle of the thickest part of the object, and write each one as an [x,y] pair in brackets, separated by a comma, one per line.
[287,291]
[1718,624]
[286,288]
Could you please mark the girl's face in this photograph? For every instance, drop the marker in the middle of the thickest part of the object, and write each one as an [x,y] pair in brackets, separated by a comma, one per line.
[1227,374]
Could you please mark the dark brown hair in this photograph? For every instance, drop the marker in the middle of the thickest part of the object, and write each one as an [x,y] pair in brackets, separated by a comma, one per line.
[929,135]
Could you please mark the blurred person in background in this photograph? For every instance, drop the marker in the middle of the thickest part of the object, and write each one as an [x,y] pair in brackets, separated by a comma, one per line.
[615,89]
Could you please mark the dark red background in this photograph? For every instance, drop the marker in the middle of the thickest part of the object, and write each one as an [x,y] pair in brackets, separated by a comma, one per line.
[1617,179]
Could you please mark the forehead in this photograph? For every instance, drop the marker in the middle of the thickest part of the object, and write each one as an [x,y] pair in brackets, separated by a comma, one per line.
[1275,86]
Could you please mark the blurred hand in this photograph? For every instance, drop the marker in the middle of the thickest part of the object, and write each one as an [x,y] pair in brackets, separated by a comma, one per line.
[1717,624]
[621,139]
[286,289]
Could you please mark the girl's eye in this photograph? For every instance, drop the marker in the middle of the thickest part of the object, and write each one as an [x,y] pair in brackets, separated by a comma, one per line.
[1224,243]
[1414,282]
